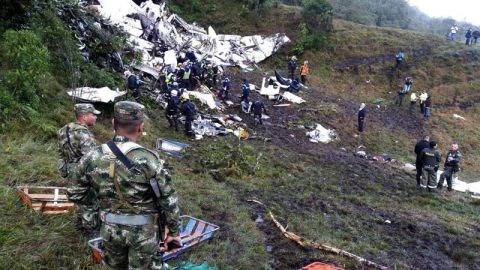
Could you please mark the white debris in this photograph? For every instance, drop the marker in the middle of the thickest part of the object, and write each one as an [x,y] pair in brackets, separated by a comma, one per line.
[321,134]
[269,90]
[90,94]
[462,186]
[293,98]
[227,50]
[206,99]
[456,116]
[409,167]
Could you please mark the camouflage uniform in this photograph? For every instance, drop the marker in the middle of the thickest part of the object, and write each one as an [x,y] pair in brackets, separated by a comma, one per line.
[74,141]
[129,209]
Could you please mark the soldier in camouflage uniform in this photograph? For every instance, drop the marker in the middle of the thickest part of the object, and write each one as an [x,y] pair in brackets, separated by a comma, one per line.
[135,194]
[74,141]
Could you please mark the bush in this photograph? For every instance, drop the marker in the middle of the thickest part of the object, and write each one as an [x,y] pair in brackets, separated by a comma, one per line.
[318,15]
[24,70]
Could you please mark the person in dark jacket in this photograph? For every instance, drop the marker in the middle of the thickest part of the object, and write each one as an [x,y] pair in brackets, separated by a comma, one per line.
[245,91]
[475,35]
[430,159]
[422,144]
[133,84]
[292,66]
[428,107]
[452,162]
[468,37]
[225,90]
[258,107]
[362,113]
[188,110]
[171,112]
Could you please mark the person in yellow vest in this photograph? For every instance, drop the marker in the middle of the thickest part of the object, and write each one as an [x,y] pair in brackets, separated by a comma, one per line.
[304,70]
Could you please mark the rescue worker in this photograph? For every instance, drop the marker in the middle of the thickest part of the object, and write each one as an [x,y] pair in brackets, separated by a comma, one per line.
[188,110]
[171,111]
[453,32]
[423,98]
[422,144]
[186,76]
[407,85]
[245,91]
[133,84]
[75,141]
[468,37]
[451,166]
[304,71]
[413,101]
[399,57]
[226,87]
[292,66]
[427,108]
[362,113]
[258,107]
[401,96]
[135,194]
[430,159]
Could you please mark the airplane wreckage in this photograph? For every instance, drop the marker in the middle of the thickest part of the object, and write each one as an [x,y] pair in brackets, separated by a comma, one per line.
[176,38]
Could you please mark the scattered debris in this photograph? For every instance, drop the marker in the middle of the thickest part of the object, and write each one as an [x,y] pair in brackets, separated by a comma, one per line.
[409,167]
[47,200]
[292,98]
[206,99]
[241,133]
[311,244]
[321,134]
[170,147]
[177,34]
[456,116]
[89,94]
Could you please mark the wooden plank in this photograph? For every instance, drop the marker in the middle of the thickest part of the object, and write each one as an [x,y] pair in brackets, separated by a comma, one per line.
[48,196]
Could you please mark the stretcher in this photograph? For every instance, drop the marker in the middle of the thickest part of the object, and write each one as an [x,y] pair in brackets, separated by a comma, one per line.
[193,231]
[48,200]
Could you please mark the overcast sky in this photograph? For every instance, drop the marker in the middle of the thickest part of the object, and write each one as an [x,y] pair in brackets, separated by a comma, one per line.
[462,10]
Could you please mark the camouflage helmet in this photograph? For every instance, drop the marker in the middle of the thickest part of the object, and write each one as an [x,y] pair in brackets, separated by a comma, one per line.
[129,111]
[82,108]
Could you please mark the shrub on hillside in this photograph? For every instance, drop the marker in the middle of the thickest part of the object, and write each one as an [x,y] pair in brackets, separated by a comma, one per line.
[318,15]
[24,70]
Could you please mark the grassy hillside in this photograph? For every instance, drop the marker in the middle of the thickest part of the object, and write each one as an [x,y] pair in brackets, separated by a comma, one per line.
[321,192]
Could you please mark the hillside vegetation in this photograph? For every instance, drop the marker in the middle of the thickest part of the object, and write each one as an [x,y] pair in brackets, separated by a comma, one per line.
[321,192]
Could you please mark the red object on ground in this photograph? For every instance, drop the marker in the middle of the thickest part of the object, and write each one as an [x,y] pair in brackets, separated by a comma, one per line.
[321,266]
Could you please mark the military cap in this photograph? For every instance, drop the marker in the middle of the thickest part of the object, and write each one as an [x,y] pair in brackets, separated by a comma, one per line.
[85,108]
[129,111]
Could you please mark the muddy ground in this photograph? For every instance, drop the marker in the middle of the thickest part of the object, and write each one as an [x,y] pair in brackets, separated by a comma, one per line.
[412,240]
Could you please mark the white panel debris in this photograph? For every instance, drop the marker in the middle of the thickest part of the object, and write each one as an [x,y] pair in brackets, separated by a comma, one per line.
[206,99]
[269,90]
[321,134]
[89,94]
[226,50]
[293,98]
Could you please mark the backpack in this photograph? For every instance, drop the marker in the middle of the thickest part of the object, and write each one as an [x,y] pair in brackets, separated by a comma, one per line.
[189,109]
[133,82]
[172,105]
